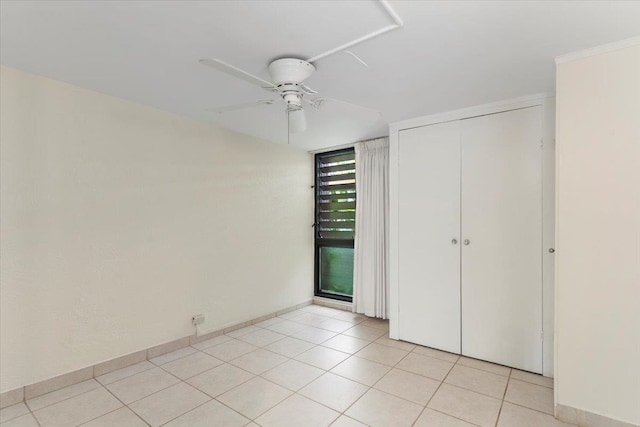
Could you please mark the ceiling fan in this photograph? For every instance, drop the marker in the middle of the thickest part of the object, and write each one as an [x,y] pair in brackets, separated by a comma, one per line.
[287,75]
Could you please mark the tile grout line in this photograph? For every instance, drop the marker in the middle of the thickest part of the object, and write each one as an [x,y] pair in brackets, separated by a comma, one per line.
[18,416]
[238,385]
[150,394]
[124,405]
[395,367]
[192,409]
[173,360]
[271,407]
[130,375]
[504,394]
[369,388]
[196,374]
[220,402]
[535,410]
[434,393]
[480,392]
[453,416]
[347,416]
[320,403]
[212,397]
[110,412]
[355,401]
[66,398]
[33,415]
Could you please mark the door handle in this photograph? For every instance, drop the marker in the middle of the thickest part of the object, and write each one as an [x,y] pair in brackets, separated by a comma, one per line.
[551,250]
[466,242]
[454,241]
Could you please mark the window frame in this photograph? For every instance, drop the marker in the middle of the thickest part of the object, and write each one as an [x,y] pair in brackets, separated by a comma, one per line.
[319,243]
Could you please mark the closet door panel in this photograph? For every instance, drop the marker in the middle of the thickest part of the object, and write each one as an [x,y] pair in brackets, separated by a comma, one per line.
[429,218]
[502,220]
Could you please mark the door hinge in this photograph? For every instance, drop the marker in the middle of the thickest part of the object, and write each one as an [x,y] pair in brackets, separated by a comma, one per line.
[541,144]
[542,335]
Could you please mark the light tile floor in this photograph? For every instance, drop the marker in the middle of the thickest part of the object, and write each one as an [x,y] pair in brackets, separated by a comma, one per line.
[312,367]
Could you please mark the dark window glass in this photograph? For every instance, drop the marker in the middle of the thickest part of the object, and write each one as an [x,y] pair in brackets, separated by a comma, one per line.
[336,270]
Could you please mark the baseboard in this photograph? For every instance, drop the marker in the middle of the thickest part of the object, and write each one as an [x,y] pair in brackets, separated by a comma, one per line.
[587,419]
[11,397]
[30,391]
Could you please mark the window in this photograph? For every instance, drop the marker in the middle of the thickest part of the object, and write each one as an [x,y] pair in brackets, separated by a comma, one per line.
[335,224]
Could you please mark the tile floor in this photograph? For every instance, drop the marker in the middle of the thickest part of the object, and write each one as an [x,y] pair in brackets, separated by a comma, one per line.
[312,367]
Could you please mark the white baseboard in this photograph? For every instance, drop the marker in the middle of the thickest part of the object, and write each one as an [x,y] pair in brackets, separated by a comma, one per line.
[587,419]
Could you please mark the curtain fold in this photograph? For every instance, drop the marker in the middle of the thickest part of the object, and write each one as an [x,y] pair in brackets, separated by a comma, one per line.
[370,271]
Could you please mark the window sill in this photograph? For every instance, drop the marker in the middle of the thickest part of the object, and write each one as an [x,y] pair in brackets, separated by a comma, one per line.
[332,303]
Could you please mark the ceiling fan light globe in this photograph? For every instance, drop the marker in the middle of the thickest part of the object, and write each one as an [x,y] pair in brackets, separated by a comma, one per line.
[297,121]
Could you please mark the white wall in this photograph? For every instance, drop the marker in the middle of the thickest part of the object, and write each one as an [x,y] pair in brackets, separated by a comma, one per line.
[598,234]
[119,222]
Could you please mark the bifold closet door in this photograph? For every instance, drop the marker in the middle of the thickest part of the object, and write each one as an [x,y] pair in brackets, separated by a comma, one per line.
[429,235]
[502,238]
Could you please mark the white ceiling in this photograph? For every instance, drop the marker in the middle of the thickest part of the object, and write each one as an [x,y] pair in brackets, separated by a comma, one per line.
[448,55]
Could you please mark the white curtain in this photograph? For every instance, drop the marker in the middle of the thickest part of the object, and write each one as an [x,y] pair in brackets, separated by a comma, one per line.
[370,276]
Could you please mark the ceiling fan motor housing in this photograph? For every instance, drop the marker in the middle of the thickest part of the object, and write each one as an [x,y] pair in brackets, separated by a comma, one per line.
[290,70]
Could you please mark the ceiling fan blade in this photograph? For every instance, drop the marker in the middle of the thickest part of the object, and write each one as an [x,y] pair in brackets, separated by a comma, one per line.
[318,102]
[307,90]
[297,121]
[243,105]
[237,72]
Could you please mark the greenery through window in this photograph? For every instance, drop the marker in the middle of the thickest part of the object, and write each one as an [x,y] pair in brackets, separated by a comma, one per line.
[335,223]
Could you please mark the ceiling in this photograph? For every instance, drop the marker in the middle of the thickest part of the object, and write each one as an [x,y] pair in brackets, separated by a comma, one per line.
[448,55]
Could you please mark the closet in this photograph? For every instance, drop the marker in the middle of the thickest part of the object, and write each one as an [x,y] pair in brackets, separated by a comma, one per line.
[467,244]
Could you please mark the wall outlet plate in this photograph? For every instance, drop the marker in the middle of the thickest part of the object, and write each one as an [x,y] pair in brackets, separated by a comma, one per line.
[198,319]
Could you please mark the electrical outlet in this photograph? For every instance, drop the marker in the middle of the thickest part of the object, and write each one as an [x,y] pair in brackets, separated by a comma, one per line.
[198,319]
